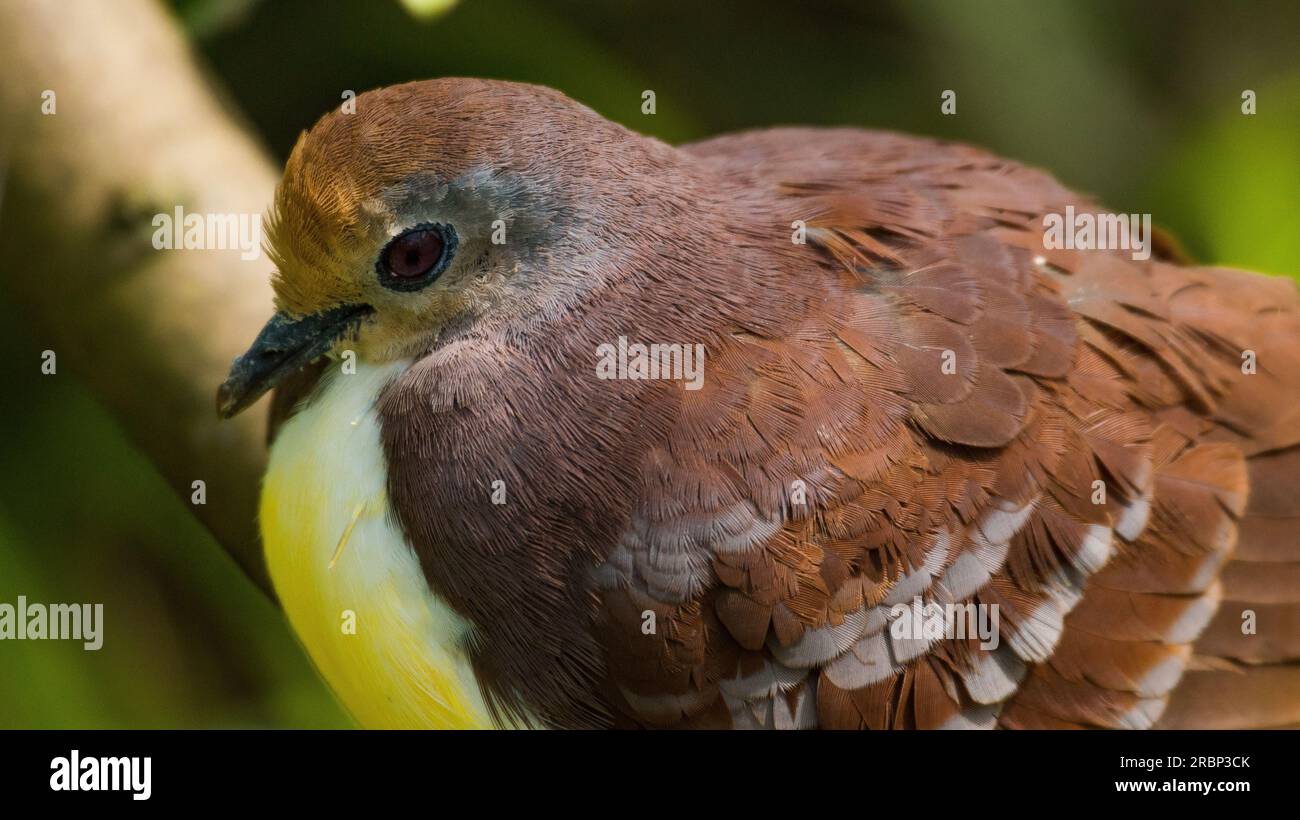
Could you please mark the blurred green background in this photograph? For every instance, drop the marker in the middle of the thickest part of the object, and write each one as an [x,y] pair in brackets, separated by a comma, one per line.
[1136,103]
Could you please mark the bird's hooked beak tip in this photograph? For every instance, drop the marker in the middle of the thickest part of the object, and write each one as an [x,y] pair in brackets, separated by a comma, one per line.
[285,346]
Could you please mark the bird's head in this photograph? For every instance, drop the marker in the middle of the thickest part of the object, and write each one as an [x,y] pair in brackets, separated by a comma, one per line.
[431,206]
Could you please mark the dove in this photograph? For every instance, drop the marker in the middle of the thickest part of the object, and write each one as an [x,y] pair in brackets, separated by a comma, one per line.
[498,496]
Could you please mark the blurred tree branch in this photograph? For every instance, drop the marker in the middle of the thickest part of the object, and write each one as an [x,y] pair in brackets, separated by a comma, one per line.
[136,131]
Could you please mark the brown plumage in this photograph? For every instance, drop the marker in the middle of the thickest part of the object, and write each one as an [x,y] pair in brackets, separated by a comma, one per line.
[830,467]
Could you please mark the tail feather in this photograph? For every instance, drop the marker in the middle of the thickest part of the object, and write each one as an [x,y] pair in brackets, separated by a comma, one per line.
[1252,647]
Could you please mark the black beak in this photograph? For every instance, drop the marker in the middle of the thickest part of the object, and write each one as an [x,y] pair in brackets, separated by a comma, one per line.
[284,347]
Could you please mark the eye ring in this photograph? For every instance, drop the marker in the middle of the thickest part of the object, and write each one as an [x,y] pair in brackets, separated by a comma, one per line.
[416,257]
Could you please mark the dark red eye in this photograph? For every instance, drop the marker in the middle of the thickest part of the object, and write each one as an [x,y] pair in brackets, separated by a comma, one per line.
[413,254]
[415,257]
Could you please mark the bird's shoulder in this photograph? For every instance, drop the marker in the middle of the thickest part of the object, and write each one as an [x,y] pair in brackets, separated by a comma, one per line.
[956,415]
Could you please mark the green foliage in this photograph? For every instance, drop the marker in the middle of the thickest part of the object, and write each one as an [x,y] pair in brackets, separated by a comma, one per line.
[1233,184]
[187,641]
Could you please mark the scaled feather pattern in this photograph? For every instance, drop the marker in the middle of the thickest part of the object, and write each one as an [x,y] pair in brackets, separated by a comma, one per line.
[918,400]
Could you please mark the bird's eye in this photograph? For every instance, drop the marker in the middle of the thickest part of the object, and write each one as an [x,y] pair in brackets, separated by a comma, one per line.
[414,258]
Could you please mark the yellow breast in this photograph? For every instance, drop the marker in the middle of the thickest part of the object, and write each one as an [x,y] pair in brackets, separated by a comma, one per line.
[348,580]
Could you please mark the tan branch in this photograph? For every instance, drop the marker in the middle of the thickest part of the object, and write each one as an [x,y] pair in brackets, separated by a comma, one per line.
[137,131]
